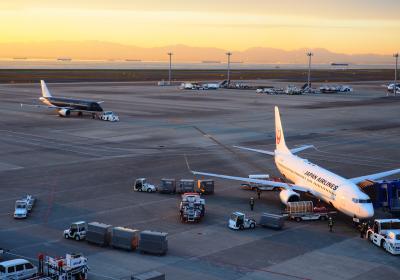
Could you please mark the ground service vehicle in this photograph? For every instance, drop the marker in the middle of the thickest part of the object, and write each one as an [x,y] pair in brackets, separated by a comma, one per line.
[72,267]
[385,233]
[238,220]
[141,185]
[305,211]
[192,207]
[76,231]
[17,269]
[257,186]
[23,207]
[109,116]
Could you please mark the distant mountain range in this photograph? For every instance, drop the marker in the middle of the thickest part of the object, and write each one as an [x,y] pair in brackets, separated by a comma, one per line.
[113,51]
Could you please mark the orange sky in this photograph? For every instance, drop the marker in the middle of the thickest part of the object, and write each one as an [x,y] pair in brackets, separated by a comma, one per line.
[352,26]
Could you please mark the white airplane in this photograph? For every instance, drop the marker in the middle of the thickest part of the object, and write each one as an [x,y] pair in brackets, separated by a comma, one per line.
[341,193]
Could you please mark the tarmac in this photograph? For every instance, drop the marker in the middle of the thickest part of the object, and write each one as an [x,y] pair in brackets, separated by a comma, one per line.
[83,169]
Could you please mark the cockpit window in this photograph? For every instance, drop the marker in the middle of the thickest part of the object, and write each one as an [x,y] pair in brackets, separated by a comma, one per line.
[357,200]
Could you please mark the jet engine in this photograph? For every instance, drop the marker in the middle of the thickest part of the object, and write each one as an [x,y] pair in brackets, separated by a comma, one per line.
[288,196]
[64,112]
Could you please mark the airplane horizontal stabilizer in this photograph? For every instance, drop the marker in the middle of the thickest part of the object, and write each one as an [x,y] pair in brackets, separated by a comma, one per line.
[302,148]
[256,150]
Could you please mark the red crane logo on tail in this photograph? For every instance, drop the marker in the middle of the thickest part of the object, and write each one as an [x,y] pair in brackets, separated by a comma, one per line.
[278,136]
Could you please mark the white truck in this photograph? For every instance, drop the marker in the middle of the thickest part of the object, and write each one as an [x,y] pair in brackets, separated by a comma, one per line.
[141,185]
[76,231]
[254,186]
[239,221]
[109,116]
[23,207]
[385,233]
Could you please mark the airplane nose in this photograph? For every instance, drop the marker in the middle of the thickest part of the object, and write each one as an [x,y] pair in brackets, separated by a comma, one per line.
[367,211]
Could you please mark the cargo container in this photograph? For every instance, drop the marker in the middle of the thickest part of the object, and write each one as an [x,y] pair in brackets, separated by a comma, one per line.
[186,186]
[205,186]
[272,221]
[153,242]
[167,186]
[124,238]
[98,233]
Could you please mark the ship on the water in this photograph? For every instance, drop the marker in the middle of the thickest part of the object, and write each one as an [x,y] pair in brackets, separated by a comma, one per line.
[211,61]
[64,59]
[339,64]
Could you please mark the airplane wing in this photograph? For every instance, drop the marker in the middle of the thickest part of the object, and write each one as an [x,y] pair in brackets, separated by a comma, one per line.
[40,106]
[374,176]
[257,181]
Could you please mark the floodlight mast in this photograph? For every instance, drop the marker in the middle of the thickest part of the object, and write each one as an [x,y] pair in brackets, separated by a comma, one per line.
[396,56]
[309,54]
[229,67]
[170,68]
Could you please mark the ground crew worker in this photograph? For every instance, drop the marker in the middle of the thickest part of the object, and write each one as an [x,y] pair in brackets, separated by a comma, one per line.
[363,230]
[330,224]
[259,193]
[251,204]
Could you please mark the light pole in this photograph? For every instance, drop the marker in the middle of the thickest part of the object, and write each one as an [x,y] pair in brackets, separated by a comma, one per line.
[170,68]
[229,67]
[309,54]
[396,56]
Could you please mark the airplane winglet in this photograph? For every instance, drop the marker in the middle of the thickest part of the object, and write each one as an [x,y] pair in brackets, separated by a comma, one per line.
[187,164]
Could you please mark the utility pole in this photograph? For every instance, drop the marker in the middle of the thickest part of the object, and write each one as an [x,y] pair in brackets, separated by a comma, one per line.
[309,54]
[229,67]
[170,68]
[396,56]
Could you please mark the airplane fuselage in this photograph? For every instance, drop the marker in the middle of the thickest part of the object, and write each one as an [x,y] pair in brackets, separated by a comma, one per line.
[341,193]
[74,104]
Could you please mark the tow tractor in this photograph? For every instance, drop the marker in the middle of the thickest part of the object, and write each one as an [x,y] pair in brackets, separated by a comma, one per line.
[141,185]
[385,233]
[76,231]
[305,211]
[23,207]
[238,220]
[72,267]
[109,116]
[192,207]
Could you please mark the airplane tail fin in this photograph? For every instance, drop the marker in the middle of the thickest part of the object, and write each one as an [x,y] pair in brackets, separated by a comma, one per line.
[279,136]
[45,90]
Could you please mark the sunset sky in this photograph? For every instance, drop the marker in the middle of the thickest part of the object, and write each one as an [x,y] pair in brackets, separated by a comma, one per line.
[348,26]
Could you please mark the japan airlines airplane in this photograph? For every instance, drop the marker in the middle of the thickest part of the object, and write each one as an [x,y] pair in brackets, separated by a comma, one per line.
[341,193]
[65,106]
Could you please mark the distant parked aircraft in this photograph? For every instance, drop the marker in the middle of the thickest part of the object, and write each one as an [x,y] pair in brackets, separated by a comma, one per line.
[65,106]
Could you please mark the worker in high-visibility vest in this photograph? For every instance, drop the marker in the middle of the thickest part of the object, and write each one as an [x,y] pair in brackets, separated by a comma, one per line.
[251,204]
[330,224]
